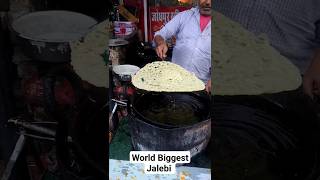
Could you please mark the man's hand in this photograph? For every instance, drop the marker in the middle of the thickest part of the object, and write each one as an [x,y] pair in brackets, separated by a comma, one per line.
[161,48]
[311,82]
[311,79]
[208,86]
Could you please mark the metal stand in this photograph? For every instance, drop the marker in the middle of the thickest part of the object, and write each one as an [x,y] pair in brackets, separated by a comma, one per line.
[13,159]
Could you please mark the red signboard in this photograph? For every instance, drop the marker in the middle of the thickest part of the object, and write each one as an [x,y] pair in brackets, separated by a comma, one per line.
[159,16]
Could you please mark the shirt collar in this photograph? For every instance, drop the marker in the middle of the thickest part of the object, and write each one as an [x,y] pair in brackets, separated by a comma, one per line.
[196,10]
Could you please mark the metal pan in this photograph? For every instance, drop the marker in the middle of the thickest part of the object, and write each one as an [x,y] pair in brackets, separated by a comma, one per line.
[45,35]
[147,134]
[198,104]
[124,72]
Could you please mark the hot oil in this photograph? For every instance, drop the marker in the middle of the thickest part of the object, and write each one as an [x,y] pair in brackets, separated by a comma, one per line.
[173,110]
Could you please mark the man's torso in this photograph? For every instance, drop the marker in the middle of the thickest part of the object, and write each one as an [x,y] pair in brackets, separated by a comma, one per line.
[193,47]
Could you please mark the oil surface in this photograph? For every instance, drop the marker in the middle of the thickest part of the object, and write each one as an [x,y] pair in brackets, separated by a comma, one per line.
[172,109]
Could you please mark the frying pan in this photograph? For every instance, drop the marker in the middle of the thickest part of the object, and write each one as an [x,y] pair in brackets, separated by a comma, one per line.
[198,102]
[147,134]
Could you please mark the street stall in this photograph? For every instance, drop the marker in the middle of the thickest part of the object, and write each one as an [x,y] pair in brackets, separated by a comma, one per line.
[143,120]
[61,92]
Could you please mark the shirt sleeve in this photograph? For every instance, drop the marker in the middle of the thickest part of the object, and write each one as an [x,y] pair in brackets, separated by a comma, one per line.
[172,27]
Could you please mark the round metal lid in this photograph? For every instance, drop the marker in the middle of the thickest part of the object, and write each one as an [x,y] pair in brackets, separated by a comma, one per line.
[125,69]
[53,26]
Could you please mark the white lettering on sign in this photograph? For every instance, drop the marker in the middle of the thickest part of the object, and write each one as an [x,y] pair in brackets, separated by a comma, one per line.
[160,162]
[163,16]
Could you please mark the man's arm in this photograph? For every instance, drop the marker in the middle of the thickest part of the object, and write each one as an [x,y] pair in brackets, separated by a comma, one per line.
[172,27]
[311,79]
[158,39]
[208,86]
[169,30]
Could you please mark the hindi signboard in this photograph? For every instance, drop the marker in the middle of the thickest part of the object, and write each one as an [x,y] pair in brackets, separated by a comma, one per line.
[159,16]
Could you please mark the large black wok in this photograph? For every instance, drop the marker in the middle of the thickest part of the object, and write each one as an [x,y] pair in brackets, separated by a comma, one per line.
[171,121]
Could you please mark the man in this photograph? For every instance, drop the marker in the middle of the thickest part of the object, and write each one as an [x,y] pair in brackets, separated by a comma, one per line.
[293,28]
[192,29]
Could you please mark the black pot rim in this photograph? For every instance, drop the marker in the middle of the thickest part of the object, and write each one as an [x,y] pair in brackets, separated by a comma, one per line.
[168,127]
